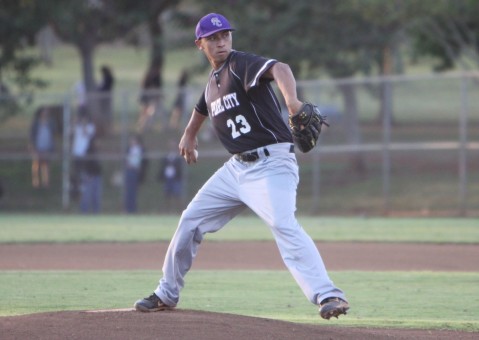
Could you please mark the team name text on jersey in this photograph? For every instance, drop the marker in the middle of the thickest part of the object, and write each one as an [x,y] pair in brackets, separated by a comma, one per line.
[224,103]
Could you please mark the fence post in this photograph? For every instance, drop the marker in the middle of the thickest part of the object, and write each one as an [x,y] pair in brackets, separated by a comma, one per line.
[316,181]
[66,153]
[125,123]
[386,152]
[462,166]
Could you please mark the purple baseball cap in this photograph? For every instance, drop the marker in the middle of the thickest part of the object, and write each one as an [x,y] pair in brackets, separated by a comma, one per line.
[210,24]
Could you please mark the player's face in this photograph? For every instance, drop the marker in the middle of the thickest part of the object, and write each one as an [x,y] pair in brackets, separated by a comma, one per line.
[217,47]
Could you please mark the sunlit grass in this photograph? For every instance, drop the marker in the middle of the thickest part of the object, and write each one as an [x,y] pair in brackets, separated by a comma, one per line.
[122,228]
[378,299]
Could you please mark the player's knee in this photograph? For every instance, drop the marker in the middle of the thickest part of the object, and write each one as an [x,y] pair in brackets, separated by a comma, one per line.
[188,225]
[286,227]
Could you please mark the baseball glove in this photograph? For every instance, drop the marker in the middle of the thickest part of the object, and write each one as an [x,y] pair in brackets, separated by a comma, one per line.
[306,126]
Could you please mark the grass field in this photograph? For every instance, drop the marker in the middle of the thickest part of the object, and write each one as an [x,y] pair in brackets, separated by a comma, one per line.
[409,299]
[31,228]
[386,299]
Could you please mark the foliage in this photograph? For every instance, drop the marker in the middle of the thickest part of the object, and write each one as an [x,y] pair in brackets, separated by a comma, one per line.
[25,18]
[450,33]
[348,37]
[86,24]
[19,21]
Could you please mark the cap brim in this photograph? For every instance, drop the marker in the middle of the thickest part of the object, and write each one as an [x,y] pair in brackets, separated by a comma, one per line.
[215,31]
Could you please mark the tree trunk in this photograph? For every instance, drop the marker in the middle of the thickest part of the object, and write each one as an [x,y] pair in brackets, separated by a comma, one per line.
[352,126]
[157,46]
[86,50]
[93,99]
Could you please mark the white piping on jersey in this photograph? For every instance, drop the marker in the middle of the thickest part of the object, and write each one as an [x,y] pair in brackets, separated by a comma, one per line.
[254,108]
[260,72]
[214,73]
[271,132]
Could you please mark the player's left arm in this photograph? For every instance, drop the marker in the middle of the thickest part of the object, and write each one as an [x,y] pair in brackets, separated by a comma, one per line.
[282,74]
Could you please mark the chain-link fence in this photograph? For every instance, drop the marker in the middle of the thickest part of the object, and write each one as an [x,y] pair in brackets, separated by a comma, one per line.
[396,145]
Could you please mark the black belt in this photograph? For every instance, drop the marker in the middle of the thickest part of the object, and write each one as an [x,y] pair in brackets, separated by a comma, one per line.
[254,155]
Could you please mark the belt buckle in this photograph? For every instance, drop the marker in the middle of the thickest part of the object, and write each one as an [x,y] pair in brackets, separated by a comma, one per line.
[249,157]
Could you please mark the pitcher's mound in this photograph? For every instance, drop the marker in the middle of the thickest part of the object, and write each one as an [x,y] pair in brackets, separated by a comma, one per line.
[189,324]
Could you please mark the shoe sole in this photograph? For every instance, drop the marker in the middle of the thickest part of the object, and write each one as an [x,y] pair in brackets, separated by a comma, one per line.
[144,309]
[335,311]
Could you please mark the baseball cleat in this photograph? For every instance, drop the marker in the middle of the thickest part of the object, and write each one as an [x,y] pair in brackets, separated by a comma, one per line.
[333,307]
[151,303]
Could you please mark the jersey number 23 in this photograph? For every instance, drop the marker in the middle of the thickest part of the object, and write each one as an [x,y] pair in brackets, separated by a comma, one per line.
[239,126]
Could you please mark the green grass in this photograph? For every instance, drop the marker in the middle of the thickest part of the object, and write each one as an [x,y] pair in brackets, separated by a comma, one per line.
[27,228]
[378,299]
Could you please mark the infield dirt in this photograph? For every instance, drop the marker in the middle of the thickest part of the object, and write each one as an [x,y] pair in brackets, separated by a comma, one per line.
[189,324]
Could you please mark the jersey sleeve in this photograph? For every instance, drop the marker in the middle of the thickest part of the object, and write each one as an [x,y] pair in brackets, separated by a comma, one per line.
[250,67]
[201,106]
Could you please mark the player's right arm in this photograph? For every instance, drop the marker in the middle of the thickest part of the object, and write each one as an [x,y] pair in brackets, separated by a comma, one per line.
[189,140]
[286,82]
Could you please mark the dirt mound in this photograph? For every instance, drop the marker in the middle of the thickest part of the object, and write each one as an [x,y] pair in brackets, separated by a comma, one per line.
[188,324]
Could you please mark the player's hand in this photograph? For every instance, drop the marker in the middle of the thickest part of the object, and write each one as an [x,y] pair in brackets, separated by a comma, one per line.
[188,148]
[191,156]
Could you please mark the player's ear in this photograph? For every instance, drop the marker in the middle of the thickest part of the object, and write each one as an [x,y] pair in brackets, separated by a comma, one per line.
[198,44]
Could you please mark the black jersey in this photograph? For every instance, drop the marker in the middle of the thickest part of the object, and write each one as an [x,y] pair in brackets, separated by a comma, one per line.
[243,108]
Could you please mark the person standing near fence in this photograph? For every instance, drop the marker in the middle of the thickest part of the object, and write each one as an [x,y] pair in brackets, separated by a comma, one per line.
[150,98]
[84,131]
[171,175]
[42,145]
[105,98]
[180,101]
[91,187]
[133,172]
[261,174]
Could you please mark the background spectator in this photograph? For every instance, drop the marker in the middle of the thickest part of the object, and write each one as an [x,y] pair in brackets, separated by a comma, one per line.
[171,174]
[91,181]
[79,92]
[107,80]
[180,101]
[105,98]
[83,133]
[42,145]
[133,173]
[150,98]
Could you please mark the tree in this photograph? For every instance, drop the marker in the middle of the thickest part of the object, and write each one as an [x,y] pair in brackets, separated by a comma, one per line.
[83,23]
[88,23]
[19,21]
[450,33]
[149,12]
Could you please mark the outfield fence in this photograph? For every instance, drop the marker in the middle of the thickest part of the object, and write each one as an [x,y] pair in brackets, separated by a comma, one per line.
[396,145]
